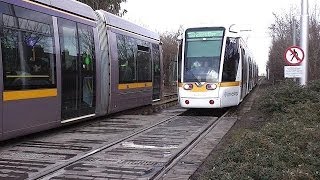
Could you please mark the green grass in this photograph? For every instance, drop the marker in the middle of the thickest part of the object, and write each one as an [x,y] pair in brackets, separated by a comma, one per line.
[286,147]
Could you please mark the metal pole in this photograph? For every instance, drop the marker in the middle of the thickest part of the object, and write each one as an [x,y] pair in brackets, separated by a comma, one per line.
[294,32]
[294,42]
[304,40]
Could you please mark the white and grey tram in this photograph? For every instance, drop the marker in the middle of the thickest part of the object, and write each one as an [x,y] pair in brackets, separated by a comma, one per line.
[216,69]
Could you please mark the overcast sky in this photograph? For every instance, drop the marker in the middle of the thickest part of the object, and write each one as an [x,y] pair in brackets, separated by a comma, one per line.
[256,15]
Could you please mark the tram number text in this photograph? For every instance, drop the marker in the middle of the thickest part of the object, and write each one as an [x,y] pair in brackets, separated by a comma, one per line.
[231,94]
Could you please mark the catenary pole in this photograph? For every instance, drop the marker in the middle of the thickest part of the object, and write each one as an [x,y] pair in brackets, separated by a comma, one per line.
[304,40]
[294,31]
[294,42]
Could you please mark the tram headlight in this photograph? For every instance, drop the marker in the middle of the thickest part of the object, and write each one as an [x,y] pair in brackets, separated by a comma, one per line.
[211,86]
[187,86]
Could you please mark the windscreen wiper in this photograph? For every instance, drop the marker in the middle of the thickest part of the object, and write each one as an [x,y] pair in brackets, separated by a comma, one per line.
[194,77]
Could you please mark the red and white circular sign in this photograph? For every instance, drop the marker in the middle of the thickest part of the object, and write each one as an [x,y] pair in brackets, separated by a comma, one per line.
[294,55]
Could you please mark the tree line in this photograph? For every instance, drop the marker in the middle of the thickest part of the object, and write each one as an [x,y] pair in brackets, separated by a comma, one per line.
[169,42]
[112,6]
[281,32]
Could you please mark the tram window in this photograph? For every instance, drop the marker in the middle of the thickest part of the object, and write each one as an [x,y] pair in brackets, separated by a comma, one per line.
[68,45]
[179,60]
[4,8]
[144,64]
[134,60]
[127,64]
[86,44]
[27,49]
[202,56]
[86,47]
[208,48]
[231,60]
[143,48]
[156,59]
[156,66]
[244,66]
[8,21]
[25,24]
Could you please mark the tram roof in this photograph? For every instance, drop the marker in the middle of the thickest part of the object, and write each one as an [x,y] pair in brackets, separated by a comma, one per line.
[72,6]
[123,24]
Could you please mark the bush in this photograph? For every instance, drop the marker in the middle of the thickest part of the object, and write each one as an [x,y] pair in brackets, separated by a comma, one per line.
[281,98]
[314,85]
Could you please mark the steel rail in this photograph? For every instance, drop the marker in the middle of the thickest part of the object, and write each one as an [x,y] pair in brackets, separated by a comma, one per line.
[188,148]
[55,168]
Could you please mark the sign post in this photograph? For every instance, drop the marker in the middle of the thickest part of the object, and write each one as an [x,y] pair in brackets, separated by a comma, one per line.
[293,56]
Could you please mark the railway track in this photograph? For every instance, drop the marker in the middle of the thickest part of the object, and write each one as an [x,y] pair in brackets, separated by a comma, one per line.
[189,147]
[47,173]
[148,140]
[119,147]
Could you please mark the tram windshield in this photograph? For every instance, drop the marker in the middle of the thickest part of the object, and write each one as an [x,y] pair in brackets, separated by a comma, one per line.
[202,54]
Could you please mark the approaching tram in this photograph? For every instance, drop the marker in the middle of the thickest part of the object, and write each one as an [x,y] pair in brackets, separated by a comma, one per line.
[61,61]
[216,69]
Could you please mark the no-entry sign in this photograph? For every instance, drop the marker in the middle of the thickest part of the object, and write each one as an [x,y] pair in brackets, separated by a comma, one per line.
[294,55]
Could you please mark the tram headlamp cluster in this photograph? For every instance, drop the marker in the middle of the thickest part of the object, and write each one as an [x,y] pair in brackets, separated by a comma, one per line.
[211,86]
[187,86]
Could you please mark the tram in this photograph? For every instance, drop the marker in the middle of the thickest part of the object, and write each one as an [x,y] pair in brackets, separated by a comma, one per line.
[216,68]
[61,62]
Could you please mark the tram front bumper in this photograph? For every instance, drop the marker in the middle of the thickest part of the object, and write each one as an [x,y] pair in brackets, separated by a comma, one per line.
[200,102]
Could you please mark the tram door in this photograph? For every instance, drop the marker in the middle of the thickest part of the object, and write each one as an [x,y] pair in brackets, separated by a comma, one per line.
[156,72]
[77,69]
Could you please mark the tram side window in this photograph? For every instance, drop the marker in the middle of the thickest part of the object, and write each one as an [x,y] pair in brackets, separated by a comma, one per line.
[244,65]
[127,64]
[27,49]
[69,46]
[156,59]
[156,65]
[179,60]
[144,64]
[231,60]
[135,64]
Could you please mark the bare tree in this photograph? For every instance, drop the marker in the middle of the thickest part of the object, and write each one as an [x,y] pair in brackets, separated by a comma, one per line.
[314,47]
[170,49]
[112,6]
[281,33]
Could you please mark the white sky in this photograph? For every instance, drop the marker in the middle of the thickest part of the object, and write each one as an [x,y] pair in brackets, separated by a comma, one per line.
[256,15]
